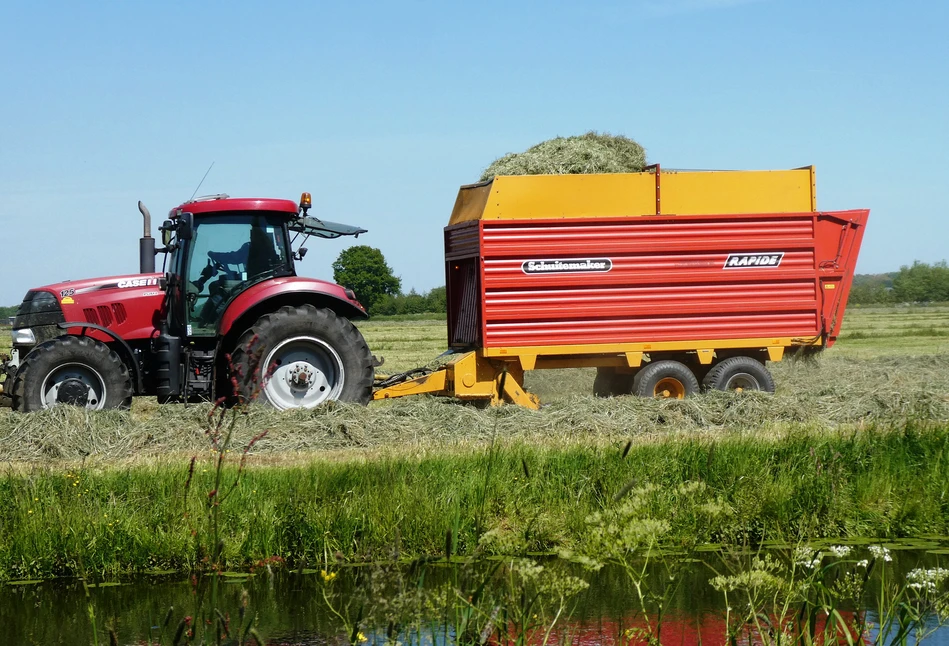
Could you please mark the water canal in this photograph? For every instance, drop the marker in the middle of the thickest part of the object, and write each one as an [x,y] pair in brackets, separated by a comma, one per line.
[674,598]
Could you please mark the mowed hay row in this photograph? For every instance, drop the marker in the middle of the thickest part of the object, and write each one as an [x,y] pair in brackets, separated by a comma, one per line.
[821,394]
[858,381]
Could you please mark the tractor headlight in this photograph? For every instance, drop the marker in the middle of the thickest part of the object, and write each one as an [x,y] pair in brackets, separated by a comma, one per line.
[24,336]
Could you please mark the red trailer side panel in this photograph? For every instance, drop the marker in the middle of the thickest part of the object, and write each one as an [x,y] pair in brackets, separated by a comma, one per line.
[650,279]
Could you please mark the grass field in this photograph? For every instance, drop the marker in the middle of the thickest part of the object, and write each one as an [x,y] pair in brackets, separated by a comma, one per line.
[855,443]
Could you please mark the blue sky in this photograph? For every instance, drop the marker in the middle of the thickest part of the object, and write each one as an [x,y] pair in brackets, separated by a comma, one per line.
[382,110]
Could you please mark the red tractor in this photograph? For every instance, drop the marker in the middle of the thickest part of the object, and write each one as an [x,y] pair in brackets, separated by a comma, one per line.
[229,312]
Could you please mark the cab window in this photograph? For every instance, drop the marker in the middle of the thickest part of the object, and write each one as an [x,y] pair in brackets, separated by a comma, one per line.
[228,254]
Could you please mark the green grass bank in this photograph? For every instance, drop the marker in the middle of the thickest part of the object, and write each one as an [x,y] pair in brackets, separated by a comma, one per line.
[879,481]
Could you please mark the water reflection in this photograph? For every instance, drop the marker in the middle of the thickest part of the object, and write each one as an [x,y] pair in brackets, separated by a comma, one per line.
[291,608]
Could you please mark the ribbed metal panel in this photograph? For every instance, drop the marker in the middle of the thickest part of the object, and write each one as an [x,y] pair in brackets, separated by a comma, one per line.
[541,304]
[656,234]
[644,329]
[463,281]
[462,241]
[646,268]
[655,279]
[464,298]
[666,280]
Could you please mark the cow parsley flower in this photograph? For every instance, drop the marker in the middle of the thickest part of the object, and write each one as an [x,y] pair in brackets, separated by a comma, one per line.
[840,551]
[807,557]
[926,580]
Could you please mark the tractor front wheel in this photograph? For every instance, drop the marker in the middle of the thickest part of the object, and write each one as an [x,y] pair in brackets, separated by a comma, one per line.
[300,357]
[72,370]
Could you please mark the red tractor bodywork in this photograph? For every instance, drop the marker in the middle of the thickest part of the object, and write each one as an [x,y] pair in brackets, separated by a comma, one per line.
[143,318]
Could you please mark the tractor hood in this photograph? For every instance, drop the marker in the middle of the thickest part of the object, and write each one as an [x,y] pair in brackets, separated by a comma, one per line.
[130,305]
[71,289]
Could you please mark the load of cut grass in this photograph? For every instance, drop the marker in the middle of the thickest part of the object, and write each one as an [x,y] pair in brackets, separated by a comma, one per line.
[592,152]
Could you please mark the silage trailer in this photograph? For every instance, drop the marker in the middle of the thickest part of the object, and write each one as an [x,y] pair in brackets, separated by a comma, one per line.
[665,281]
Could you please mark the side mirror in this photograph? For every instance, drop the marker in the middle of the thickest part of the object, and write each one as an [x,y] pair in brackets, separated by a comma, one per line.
[166,231]
[185,226]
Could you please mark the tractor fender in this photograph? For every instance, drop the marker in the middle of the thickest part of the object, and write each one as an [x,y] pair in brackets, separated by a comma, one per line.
[124,350]
[271,294]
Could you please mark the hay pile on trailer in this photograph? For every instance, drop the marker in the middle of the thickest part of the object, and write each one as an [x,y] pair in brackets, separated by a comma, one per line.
[583,154]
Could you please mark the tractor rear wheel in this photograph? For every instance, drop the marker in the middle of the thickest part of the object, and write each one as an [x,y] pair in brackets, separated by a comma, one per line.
[72,370]
[739,374]
[665,379]
[300,357]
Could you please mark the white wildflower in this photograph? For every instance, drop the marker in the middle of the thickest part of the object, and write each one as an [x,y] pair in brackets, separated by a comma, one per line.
[864,563]
[926,580]
[880,552]
[840,551]
[807,557]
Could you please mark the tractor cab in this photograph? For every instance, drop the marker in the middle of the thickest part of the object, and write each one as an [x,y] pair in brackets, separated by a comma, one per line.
[220,247]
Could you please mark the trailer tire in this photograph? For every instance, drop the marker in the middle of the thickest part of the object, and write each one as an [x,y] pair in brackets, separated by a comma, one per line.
[738,374]
[610,382]
[74,370]
[300,357]
[666,379]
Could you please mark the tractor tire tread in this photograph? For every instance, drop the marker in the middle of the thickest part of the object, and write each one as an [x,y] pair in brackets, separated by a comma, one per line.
[115,373]
[647,378]
[718,375]
[248,374]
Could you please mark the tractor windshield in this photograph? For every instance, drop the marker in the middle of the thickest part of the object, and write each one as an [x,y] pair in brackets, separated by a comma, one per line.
[228,254]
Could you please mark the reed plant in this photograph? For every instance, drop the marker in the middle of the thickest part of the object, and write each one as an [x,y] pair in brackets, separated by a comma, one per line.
[812,596]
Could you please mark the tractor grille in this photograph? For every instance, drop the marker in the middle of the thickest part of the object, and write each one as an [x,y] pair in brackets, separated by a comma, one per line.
[38,308]
[104,315]
[118,310]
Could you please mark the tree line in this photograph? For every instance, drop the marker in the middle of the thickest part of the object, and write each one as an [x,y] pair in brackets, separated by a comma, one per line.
[916,283]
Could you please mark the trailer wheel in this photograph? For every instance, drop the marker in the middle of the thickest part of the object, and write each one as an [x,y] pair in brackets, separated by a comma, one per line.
[300,357]
[739,374]
[610,382]
[73,370]
[665,379]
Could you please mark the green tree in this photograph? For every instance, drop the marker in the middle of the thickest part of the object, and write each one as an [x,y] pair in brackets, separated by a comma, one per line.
[437,300]
[922,282]
[364,270]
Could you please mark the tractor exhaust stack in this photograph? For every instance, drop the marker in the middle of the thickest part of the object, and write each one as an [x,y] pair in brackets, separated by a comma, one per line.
[146,245]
